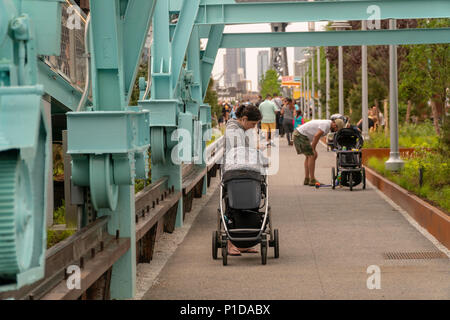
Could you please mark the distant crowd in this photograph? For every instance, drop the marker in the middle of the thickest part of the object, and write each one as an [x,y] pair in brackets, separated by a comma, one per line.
[283,114]
[278,113]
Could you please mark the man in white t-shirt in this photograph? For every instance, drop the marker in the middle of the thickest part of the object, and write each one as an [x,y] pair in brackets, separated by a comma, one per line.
[306,138]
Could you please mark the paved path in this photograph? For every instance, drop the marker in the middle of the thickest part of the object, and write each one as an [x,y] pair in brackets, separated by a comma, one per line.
[328,240]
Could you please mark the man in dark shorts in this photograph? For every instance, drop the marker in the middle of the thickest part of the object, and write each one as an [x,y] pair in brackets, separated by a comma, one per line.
[306,138]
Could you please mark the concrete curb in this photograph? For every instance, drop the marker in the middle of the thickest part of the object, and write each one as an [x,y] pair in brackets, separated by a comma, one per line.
[429,217]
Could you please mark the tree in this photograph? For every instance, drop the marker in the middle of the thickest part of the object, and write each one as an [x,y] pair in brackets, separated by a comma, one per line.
[143,72]
[270,83]
[425,75]
[211,98]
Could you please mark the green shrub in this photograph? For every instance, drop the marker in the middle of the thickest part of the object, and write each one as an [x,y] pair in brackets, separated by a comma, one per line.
[410,136]
[59,215]
[436,176]
[56,236]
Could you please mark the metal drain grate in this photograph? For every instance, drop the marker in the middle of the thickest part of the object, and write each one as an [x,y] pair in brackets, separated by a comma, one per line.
[421,255]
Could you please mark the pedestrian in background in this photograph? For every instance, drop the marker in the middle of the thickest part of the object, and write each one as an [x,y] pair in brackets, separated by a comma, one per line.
[288,119]
[279,118]
[298,119]
[268,123]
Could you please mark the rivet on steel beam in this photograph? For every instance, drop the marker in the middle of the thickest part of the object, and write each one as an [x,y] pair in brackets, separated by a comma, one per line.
[93,252]
[81,262]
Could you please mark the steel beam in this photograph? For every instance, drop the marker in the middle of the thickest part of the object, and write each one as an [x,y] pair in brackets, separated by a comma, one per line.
[230,12]
[209,56]
[108,86]
[135,30]
[335,38]
[58,87]
[182,36]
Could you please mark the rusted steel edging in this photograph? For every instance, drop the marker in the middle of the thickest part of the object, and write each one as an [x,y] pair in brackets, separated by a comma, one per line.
[429,217]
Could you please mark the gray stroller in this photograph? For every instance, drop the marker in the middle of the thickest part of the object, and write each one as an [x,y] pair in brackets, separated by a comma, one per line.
[244,215]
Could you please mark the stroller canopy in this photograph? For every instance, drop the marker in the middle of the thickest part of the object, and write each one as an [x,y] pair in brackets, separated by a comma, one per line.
[246,159]
[349,138]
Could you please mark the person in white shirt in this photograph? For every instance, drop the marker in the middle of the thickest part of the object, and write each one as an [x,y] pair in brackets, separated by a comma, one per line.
[306,138]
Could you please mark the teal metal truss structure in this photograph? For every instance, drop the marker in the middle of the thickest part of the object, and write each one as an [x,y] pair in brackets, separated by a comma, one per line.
[108,140]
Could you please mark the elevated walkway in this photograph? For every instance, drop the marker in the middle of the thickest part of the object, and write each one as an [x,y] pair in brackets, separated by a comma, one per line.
[328,241]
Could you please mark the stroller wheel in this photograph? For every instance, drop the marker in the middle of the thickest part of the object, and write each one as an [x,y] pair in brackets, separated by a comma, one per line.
[276,239]
[264,246]
[215,245]
[364,178]
[333,178]
[225,252]
[350,181]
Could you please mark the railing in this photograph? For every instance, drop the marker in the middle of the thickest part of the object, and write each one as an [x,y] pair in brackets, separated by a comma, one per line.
[94,251]
[71,63]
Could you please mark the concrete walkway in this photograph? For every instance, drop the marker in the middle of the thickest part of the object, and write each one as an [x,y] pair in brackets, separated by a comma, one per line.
[328,239]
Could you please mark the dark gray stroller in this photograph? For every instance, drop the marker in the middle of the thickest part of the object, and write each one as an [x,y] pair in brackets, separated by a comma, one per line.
[244,214]
[331,135]
[349,171]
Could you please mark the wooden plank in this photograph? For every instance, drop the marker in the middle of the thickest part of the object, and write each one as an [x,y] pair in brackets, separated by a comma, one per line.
[193,178]
[144,224]
[93,269]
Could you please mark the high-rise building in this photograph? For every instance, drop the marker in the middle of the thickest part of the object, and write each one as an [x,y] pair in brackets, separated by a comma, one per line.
[263,64]
[299,53]
[234,66]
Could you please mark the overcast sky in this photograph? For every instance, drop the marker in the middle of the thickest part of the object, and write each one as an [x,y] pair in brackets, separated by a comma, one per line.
[252,53]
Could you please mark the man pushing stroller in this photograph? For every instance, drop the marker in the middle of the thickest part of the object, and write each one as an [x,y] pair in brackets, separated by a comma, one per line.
[306,138]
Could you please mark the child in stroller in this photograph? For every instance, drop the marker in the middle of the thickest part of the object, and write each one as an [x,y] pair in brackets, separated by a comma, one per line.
[349,171]
[330,136]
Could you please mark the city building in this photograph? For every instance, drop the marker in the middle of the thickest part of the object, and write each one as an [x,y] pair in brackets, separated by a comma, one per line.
[263,64]
[234,66]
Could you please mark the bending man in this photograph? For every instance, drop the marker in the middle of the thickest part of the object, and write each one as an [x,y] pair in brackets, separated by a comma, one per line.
[306,138]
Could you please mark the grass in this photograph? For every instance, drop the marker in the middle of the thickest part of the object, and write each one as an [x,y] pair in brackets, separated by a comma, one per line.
[410,136]
[216,134]
[56,236]
[436,176]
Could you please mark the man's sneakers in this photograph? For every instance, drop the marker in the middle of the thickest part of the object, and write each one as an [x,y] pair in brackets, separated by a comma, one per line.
[313,182]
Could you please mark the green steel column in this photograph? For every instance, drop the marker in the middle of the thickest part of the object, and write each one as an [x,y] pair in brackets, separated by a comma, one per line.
[162,93]
[193,64]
